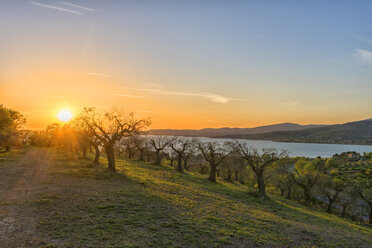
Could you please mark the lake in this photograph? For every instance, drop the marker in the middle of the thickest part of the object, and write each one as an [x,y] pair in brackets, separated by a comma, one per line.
[310,150]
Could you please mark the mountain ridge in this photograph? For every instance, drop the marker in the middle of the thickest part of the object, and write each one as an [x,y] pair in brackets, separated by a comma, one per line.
[356,132]
[212,132]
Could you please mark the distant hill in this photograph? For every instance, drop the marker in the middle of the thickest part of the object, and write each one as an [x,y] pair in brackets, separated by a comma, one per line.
[213,132]
[358,132]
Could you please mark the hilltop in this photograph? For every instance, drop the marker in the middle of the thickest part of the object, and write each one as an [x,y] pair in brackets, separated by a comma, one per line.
[212,132]
[358,132]
[61,201]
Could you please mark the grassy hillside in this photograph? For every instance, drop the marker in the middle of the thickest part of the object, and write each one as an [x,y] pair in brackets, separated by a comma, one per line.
[359,132]
[75,204]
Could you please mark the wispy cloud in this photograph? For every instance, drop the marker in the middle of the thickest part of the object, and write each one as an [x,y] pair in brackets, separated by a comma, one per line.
[97,74]
[78,6]
[290,103]
[364,56]
[56,8]
[210,96]
[154,85]
[126,95]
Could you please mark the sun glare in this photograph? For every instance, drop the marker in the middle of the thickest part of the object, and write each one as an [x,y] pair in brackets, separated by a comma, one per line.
[64,115]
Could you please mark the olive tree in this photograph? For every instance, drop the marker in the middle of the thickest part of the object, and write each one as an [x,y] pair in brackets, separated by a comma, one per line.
[158,144]
[259,162]
[282,178]
[331,188]
[347,197]
[110,127]
[180,146]
[214,153]
[141,144]
[306,175]
[366,195]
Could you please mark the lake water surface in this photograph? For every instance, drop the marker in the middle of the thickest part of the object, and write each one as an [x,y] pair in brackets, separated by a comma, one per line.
[310,150]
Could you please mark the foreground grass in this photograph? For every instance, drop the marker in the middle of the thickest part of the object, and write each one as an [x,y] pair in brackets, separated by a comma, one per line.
[12,156]
[144,205]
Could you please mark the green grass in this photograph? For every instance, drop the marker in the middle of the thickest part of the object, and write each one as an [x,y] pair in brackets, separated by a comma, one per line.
[12,156]
[145,205]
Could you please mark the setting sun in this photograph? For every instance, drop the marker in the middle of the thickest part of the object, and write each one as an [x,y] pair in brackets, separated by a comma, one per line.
[64,115]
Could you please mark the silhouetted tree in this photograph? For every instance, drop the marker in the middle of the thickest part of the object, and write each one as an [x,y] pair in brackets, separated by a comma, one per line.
[214,153]
[171,156]
[110,127]
[179,146]
[259,162]
[158,144]
[11,122]
[141,143]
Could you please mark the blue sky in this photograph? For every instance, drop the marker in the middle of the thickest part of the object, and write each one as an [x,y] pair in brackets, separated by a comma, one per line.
[219,63]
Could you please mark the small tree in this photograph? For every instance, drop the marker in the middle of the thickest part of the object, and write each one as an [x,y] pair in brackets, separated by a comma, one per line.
[306,175]
[366,194]
[180,146]
[171,156]
[187,157]
[110,127]
[235,164]
[11,122]
[259,162]
[214,153]
[141,143]
[90,137]
[96,143]
[331,188]
[282,178]
[158,144]
[347,197]
[127,146]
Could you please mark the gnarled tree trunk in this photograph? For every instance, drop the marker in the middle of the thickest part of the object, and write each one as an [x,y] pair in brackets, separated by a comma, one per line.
[84,153]
[289,192]
[343,210]
[97,154]
[331,200]
[307,196]
[158,157]
[179,163]
[141,154]
[212,174]
[229,177]
[260,183]
[236,175]
[109,147]
[185,165]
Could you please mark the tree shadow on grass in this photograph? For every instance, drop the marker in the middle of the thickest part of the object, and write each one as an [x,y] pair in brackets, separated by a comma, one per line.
[149,205]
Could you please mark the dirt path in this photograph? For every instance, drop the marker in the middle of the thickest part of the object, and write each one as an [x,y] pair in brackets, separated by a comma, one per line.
[21,182]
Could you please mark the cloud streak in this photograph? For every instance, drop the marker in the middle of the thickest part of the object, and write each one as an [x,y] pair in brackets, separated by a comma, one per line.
[56,8]
[126,95]
[364,56]
[210,96]
[78,6]
[97,74]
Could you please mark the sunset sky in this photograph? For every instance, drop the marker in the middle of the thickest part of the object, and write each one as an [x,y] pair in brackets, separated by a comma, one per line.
[189,64]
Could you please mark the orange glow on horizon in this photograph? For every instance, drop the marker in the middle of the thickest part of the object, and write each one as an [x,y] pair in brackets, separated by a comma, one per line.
[40,101]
